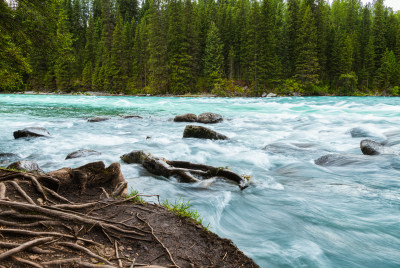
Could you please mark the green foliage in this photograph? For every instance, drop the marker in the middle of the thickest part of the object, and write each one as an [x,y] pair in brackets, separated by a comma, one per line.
[184,210]
[135,193]
[347,83]
[227,48]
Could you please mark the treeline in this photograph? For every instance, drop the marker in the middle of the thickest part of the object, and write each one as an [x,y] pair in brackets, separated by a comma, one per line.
[184,46]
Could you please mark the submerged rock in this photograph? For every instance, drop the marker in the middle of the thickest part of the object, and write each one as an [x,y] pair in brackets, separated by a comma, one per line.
[82,153]
[6,158]
[202,133]
[26,165]
[338,160]
[209,118]
[370,147]
[359,132]
[131,116]
[186,118]
[31,132]
[98,119]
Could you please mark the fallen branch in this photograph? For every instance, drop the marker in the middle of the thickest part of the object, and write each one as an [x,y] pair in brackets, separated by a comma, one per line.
[185,171]
[24,246]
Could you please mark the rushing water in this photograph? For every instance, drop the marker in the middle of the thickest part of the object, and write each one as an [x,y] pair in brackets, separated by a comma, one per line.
[294,214]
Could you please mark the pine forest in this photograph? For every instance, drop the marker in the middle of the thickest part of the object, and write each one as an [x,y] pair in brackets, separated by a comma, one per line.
[178,47]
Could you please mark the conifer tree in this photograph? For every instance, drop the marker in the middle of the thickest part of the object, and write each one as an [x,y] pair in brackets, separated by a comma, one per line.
[307,66]
[157,48]
[213,66]
[64,59]
[118,60]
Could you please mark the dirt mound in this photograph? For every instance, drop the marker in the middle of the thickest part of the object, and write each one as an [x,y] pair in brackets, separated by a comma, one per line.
[69,218]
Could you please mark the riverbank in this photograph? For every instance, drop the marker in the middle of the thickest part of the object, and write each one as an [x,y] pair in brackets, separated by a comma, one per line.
[199,95]
[76,217]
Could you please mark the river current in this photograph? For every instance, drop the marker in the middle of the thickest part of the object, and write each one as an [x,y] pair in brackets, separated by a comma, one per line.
[294,213]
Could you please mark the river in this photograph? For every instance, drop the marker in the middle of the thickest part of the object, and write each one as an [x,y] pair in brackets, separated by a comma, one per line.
[294,213]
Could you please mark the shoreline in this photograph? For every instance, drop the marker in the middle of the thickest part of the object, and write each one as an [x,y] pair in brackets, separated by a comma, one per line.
[200,95]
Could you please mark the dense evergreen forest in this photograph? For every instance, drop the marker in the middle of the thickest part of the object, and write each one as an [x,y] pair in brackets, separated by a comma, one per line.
[224,47]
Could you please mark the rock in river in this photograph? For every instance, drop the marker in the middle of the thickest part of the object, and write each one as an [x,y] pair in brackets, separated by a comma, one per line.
[341,160]
[202,133]
[209,118]
[370,147]
[82,153]
[359,132]
[186,118]
[26,165]
[31,132]
[98,119]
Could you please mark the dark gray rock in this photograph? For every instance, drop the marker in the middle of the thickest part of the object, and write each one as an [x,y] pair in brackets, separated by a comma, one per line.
[26,165]
[6,158]
[131,116]
[339,160]
[98,119]
[186,118]
[202,133]
[31,132]
[359,132]
[370,147]
[82,153]
[209,118]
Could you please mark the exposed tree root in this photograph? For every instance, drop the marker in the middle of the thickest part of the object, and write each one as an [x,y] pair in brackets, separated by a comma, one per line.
[24,246]
[158,240]
[185,171]
[41,227]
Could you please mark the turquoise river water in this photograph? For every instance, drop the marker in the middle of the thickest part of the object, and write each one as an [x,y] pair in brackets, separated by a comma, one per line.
[294,214]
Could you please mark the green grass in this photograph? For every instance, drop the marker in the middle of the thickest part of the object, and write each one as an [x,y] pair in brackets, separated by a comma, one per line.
[137,199]
[184,210]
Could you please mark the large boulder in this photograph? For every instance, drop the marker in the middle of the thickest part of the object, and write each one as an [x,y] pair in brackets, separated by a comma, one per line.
[209,118]
[370,147]
[202,133]
[186,118]
[98,119]
[26,165]
[31,132]
[82,153]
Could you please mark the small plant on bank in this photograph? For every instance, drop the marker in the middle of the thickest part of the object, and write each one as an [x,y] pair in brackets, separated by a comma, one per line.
[184,210]
[137,199]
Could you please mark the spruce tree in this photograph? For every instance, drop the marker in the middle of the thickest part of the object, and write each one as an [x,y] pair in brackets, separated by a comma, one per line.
[65,58]
[307,66]
[213,59]
[157,48]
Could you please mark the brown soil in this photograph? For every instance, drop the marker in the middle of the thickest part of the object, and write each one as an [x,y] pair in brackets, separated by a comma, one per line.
[108,232]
